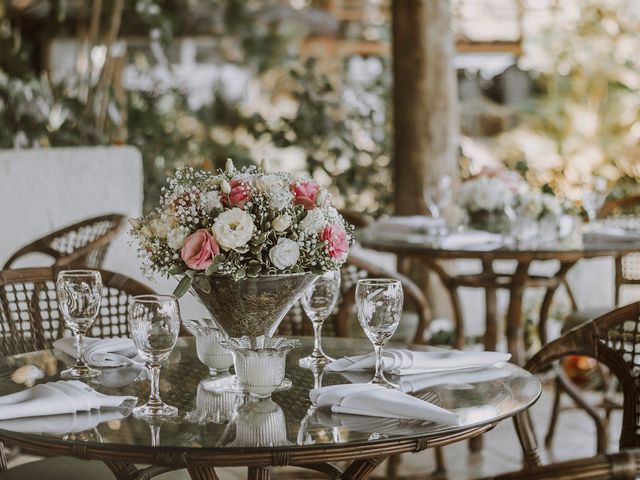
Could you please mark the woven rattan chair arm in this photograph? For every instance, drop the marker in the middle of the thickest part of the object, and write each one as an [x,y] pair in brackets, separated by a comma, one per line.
[619,466]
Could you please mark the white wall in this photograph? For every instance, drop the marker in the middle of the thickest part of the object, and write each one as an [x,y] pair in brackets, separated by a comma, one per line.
[42,190]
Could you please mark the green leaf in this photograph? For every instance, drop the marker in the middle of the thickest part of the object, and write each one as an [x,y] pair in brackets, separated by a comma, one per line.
[202,283]
[213,268]
[190,273]
[178,269]
[183,286]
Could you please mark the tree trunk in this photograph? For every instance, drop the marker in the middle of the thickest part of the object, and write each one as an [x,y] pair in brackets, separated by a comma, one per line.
[426,124]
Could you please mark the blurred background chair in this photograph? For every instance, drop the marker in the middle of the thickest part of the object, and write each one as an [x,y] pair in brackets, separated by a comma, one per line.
[619,466]
[627,272]
[83,244]
[614,341]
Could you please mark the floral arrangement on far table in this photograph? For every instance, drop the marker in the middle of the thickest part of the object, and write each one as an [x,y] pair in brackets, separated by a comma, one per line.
[241,223]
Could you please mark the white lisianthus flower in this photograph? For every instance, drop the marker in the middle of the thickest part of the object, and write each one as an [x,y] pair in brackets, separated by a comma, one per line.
[211,201]
[281,222]
[225,187]
[284,254]
[314,221]
[267,183]
[233,229]
[177,236]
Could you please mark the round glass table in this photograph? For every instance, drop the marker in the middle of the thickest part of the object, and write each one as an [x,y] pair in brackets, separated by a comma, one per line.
[430,252]
[218,430]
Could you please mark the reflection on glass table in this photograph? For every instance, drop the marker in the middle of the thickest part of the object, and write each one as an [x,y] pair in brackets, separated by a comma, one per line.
[480,398]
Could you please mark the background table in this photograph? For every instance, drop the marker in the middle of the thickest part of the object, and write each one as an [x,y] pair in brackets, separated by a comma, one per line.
[430,254]
[314,438]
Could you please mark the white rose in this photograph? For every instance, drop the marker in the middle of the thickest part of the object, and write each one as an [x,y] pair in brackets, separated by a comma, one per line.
[177,236]
[210,201]
[233,229]
[314,221]
[281,222]
[284,254]
[266,183]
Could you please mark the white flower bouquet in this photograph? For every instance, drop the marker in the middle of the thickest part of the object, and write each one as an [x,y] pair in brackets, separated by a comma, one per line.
[538,205]
[241,223]
[488,194]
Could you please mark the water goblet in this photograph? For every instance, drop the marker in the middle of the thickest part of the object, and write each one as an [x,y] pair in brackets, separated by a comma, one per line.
[379,305]
[437,196]
[318,301]
[593,197]
[154,321]
[79,296]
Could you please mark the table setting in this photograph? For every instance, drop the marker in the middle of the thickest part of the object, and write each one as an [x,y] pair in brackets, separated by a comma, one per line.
[248,244]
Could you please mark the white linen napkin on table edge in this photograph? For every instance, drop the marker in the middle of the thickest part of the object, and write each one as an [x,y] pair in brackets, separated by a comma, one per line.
[410,362]
[53,398]
[62,423]
[472,240]
[102,352]
[378,401]
[610,233]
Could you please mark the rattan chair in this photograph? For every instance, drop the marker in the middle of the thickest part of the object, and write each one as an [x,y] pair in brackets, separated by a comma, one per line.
[29,315]
[614,341]
[30,320]
[618,466]
[81,244]
[627,272]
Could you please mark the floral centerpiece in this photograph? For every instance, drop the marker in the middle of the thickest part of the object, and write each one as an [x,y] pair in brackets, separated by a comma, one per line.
[486,200]
[248,242]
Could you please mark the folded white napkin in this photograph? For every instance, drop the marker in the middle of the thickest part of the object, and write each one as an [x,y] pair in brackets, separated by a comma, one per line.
[61,424]
[450,380]
[378,401]
[55,398]
[398,227]
[610,234]
[102,352]
[476,240]
[409,362]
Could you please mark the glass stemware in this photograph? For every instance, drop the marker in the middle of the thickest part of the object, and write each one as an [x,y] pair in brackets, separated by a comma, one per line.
[79,296]
[318,301]
[379,305]
[154,321]
[593,197]
[437,196]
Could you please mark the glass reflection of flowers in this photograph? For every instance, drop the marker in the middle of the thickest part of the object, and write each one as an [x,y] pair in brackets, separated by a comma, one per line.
[241,223]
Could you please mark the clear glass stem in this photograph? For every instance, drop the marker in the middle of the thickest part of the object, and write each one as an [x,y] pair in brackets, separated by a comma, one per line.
[317,340]
[80,344]
[154,395]
[379,376]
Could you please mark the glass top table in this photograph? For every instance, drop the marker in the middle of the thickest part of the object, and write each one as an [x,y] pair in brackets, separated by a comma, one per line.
[430,253]
[217,429]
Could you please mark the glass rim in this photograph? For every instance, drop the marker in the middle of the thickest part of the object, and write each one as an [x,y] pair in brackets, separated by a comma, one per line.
[378,281]
[79,272]
[154,298]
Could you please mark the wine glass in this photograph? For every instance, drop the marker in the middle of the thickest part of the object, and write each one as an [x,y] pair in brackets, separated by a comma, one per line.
[154,321]
[79,296]
[593,197]
[379,304]
[437,196]
[318,302]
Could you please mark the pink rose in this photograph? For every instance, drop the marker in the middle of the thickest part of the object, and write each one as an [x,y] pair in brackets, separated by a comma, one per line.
[239,195]
[336,240]
[305,194]
[199,249]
